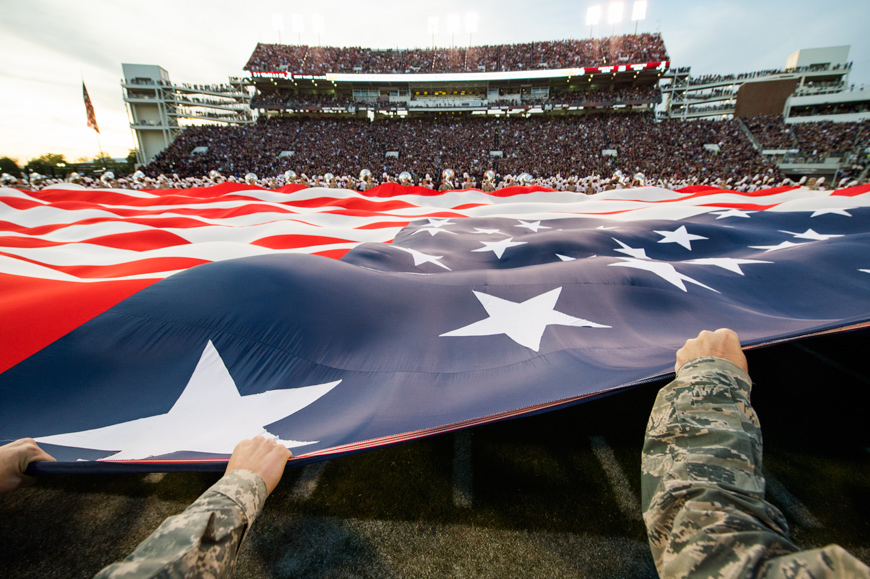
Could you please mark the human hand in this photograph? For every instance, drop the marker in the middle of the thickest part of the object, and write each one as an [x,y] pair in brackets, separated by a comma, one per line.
[15,457]
[264,456]
[723,343]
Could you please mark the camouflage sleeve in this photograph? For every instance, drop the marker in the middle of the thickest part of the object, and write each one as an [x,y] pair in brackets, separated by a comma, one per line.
[703,488]
[204,540]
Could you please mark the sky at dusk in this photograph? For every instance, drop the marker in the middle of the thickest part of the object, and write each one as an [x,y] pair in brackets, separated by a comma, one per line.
[47,46]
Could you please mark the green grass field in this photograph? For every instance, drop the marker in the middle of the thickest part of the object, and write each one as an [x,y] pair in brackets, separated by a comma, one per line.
[553,495]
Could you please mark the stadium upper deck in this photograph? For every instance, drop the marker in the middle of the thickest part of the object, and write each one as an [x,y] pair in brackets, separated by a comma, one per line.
[312,60]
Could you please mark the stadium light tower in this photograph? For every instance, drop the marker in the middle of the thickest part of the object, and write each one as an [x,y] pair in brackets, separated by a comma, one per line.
[317,26]
[278,24]
[433,28]
[593,17]
[470,25]
[452,27]
[638,13]
[614,15]
[298,26]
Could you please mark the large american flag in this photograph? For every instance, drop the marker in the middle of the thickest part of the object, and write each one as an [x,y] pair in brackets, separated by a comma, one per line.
[152,330]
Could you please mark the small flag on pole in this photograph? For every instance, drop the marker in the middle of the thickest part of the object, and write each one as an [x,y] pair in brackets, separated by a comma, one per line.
[89,108]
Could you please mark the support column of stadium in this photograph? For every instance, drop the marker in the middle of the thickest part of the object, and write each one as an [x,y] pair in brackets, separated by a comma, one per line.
[625,497]
[463,475]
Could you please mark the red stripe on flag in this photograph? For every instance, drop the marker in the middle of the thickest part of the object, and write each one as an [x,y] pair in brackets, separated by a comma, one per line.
[296,241]
[383,225]
[19,203]
[351,203]
[36,312]
[138,267]
[11,241]
[139,240]
[852,191]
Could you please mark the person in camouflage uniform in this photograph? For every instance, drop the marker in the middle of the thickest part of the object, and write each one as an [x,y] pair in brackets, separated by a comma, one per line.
[702,483]
[204,540]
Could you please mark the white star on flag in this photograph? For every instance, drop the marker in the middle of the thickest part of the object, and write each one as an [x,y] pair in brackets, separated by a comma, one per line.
[565,257]
[524,322]
[834,211]
[435,222]
[729,263]
[662,269]
[810,234]
[732,213]
[421,258]
[636,252]
[499,247]
[487,231]
[209,416]
[532,225]
[433,231]
[783,245]
[604,228]
[681,236]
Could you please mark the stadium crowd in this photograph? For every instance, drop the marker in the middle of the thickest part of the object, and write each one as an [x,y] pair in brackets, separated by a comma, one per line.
[591,153]
[719,78]
[814,140]
[567,147]
[503,57]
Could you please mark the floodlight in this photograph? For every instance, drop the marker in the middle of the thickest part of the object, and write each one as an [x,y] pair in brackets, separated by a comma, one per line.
[277,21]
[433,25]
[471,22]
[593,15]
[614,13]
[298,23]
[638,11]
[452,24]
[317,23]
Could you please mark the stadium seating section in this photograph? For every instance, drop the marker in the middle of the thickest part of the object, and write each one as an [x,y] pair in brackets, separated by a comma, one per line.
[503,57]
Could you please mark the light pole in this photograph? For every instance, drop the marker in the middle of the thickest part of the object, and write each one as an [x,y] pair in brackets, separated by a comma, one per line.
[433,28]
[278,24]
[452,28]
[614,15]
[298,26]
[638,13]
[593,17]
[317,26]
[470,25]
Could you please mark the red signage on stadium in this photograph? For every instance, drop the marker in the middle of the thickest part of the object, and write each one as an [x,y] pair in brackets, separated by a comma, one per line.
[662,66]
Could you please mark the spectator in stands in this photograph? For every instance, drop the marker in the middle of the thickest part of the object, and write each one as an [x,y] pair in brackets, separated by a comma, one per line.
[640,48]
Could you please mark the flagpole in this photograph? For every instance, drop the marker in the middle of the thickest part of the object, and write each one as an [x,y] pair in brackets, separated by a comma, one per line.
[99,145]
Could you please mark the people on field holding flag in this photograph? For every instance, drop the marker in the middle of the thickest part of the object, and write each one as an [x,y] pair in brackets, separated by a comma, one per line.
[702,480]
[702,485]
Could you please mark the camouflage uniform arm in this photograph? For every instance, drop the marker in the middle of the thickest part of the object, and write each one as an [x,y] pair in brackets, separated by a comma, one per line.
[204,540]
[703,488]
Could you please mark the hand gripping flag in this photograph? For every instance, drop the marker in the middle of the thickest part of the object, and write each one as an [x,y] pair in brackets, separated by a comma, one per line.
[89,109]
[152,330]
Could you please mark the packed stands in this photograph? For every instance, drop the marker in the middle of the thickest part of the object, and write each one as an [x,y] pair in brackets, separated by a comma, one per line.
[503,57]
[541,145]
[815,139]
